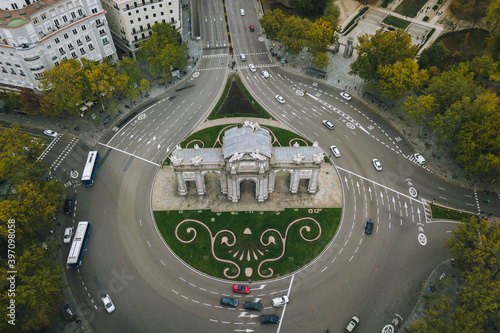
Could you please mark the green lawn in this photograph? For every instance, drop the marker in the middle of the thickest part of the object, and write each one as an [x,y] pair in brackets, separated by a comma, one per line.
[439,212]
[396,22]
[410,8]
[298,252]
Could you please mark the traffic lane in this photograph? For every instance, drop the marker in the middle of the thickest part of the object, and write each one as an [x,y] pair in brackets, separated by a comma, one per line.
[213,24]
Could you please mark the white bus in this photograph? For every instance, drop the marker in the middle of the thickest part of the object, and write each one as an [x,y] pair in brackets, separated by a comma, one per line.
[90,168]
[79,244]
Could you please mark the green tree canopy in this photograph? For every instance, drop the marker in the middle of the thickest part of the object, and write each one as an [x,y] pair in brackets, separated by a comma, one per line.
[434,55]
[383,48]
[163,50]
[272,23]
[396,79]
[309,7]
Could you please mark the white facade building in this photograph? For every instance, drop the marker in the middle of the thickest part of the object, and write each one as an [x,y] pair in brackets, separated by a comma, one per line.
[36,36]
[131,21]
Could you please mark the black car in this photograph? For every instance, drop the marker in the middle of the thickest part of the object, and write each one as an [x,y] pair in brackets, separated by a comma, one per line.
[269,319]
[68,312]
[257,306]
[368,227]
[229,301]
[68,206]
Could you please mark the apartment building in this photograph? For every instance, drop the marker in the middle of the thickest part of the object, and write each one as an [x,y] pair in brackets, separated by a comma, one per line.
[36,36]
[130,21]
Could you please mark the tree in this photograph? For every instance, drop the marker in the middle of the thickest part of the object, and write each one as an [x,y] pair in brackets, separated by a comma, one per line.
[12,101]
[320,60]
[40,282]
[332,15]
[272,23]
[493,16]
[383,48]
[164,50]
[144,85]
[434,55]
[396,79]
[485,69]
[319,35]
[309,7]
[129,66]
[293,34]
[66,86]
[30,101]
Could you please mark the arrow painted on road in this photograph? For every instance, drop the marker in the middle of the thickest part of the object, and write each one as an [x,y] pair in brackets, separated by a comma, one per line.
[406,209]
[370,190]
[357,184]
[260,288]
[346,183]
[418,214]
[244,315]
[394,203]
[382,197]
[247,330]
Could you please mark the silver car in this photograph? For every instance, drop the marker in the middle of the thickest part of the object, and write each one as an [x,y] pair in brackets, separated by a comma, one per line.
[377,164]
[252,68]
[68,232]
[335,151]
[265,74]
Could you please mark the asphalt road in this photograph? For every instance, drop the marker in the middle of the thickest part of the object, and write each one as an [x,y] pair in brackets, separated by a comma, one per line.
[377,277]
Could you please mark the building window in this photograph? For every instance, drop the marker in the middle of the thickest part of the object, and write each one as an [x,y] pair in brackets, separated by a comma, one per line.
[128,6]
[102,32]
[171,11]
[84,27]
[56,22]
[74,31]
[54,57]
[152,7]
[82,50]
[131,21]
[137,11]
[145,8]
[105,41]
[57,40]
[35,21]
[21,72]
[154,14]
[161,13]
[66,36]
[70,46]
[94,10]
[12,71]
[56,63]
[91,47]
[161,5]
[73,54]
[139,19]
[73,15]
[129,13]
[3,69]
[65,19]
[80,12]
[170,4]
[87,38]
[147,17]
[44,17]
[79,42]
[61,50]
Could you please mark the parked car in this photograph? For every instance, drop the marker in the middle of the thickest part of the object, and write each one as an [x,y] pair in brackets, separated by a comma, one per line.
[345,96]
[68,232]
[252,28]
[280,301]
[265,74]
[108,303]
[269,319]
[252,68]
[328,124]
[280,99]
[377,164]
[68,206]
[50,133]
[241,289]
[257,306]
[419,158]
[352,324]
[227,301]
[368,227]
[335,151]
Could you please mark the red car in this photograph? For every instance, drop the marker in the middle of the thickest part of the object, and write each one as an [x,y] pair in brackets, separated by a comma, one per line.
[241,289]
[252,28]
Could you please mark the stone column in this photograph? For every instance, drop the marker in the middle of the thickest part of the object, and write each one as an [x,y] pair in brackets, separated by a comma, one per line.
[271,182]
[181,184]
[223,182]
[313,181]
[294,181]
[200,183]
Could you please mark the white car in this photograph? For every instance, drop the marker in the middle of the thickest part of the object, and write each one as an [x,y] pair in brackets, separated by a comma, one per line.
[419,158]
[265,74]
[352,324]
[335,151]
[377,165]
[50,133]
[252,68]
[68,232]
[280,301]
[242,12]
[328,124]
[280,99]
[345,96]
[108,303]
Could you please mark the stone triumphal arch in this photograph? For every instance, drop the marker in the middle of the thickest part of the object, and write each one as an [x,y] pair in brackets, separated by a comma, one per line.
[247,154]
